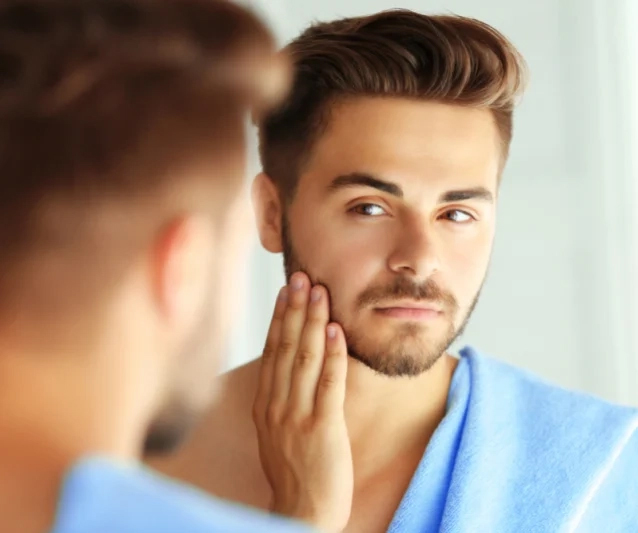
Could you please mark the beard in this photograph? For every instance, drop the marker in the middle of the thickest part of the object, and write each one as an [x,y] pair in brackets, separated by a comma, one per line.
[169,428]
[411,351]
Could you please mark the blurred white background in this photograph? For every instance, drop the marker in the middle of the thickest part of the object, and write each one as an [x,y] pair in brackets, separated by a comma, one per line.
[560,298]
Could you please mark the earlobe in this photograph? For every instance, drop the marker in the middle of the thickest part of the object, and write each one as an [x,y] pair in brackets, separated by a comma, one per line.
[268,213]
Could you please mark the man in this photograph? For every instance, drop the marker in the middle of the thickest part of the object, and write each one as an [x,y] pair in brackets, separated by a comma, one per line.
[381,175]
[122,218]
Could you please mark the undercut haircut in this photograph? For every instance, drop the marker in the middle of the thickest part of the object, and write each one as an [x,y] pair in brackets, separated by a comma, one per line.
[116,115]
[398,53]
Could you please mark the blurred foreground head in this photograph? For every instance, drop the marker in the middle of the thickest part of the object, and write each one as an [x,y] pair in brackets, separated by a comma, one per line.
[121,199]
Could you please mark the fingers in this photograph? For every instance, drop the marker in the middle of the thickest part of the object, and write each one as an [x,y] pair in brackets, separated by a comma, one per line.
[291,328]
[269,354]
[309,359]
[304,364]
[331,387]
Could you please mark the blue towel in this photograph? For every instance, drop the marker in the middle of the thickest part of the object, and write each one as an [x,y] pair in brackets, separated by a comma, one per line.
[515,454]
[102,495]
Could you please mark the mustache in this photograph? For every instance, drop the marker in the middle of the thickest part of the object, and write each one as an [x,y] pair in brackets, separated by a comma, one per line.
[405,288]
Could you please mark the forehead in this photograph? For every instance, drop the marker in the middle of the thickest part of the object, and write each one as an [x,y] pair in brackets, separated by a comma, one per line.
[426,143]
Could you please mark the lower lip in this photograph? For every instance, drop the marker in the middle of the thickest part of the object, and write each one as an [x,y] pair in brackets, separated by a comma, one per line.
[409,313]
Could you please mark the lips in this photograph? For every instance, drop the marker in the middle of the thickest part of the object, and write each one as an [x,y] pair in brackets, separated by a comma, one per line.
[410,311]
[411,305]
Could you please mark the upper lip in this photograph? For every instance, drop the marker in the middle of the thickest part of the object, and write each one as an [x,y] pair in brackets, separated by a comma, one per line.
[411,304]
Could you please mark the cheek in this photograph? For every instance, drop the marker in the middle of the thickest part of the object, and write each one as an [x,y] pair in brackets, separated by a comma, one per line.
[466,266]
[346,263]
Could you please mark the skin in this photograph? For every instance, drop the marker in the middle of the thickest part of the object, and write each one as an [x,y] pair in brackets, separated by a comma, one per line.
[398,197]
[299,410]
[116,324]
[90,380]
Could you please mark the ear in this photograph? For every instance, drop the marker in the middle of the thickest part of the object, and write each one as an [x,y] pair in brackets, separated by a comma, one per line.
[268,212]
[182,264]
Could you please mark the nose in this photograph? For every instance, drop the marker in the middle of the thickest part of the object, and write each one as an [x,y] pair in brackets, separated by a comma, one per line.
[415,252]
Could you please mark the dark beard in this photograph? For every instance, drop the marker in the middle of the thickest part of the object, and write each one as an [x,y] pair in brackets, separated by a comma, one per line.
[169,429]
[403,362]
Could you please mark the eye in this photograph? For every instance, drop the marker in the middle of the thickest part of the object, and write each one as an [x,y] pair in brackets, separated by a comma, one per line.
[369,210]
[458,217]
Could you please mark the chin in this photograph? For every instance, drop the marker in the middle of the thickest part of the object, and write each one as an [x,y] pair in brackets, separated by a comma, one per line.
[406,351]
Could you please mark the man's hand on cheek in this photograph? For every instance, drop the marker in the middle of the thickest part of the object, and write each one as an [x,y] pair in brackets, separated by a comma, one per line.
[299,410]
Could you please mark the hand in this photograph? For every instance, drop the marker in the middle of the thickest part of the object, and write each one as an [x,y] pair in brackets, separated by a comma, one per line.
[299,410]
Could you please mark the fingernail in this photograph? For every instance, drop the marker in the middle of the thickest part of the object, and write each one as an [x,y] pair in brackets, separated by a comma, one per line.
[297,283]
[283,294]
[315,294]
[332,332]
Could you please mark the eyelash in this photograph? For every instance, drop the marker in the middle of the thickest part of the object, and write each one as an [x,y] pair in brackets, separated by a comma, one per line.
[356,209]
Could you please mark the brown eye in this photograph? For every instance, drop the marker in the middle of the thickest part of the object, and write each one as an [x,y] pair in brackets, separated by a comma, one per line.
[369,210]
[458,216]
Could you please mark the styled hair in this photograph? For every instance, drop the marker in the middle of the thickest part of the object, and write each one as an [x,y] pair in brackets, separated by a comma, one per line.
[397,53]
[116,114]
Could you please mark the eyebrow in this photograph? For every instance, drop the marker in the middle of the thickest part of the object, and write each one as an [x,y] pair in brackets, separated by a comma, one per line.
[475,193]
[360,179]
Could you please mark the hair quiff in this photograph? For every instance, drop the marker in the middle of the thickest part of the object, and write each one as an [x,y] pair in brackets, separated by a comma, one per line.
[397,53]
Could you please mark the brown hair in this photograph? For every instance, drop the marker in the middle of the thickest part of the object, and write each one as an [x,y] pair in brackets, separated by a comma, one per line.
[116,114]
[396,53]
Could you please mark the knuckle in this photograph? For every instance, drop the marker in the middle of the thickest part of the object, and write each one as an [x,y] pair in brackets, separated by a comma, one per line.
[328,380]
[289,419]
[274,414]
[315,322]
[334,353]
[295,304]
[295,422]
[287,345]
[268,353]
[304,358]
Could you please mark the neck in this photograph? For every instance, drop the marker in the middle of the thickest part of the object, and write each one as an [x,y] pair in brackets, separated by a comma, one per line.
[54,411]
[392,417]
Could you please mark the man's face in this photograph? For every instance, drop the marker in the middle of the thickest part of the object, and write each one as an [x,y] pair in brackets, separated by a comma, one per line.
[395,215]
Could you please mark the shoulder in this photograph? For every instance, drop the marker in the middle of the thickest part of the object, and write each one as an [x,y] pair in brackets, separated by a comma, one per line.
[567,452]
[527,395]
[573,434]
[229,419]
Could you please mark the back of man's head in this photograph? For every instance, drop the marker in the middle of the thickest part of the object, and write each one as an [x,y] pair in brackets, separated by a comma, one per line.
[121,148]
[106,110]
